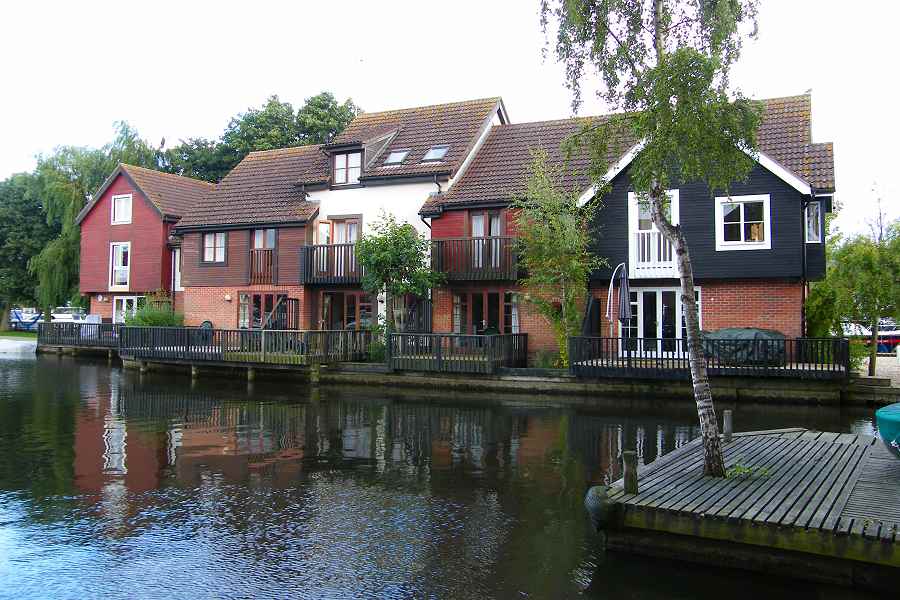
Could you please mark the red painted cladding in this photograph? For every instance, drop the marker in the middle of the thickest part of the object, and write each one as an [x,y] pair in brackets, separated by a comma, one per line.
[451,224]
[150,258]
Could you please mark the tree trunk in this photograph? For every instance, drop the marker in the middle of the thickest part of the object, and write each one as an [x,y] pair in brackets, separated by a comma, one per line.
[713,463]
[873,348]
[4,318]
[388,312]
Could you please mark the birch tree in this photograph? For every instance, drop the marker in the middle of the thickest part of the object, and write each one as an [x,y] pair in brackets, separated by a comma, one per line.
[663,66]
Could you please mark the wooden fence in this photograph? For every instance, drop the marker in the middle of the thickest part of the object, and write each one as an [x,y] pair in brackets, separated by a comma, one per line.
[666,358]
[256,346]
[84,335]
[454,353]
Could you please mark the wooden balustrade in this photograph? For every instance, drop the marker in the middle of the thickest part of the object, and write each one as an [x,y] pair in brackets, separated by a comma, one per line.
[262,266]
[476,259]
[667,358]
[329,264]
[455,353]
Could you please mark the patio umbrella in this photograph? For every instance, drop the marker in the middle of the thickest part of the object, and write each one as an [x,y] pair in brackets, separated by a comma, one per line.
[624,312]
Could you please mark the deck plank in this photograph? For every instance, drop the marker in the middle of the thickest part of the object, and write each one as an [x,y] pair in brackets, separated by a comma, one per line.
[819,486]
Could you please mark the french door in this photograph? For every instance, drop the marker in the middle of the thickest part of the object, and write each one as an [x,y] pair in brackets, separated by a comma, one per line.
[485,231]
[125,306]
[657,323]
[345,232]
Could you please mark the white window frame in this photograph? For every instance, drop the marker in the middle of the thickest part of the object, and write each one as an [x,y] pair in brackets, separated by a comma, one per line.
[401,153]
[434,149]
[634,210]
[819,233]
[721,244]
[112,211]
[123,299]
[215,258]
[679,309]
[347,178]
[112,255]
[176,270]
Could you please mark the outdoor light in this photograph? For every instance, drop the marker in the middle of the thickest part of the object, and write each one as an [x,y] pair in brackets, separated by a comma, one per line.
[227,297]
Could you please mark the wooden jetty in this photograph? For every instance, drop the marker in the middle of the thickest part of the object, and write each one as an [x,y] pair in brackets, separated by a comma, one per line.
[806,504]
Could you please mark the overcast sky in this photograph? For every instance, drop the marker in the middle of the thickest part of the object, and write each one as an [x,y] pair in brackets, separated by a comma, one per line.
[182,69]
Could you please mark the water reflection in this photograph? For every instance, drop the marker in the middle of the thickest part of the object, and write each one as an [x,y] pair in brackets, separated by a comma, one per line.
[151,486]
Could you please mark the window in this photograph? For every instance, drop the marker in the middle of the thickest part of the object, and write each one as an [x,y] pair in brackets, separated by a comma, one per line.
[435,153]
[214,247]
[347,168]
[121,209]
[814,222]
[120,261]
[254,310]
[486,312]
[176,270]
[396,157]
[743,223]
[263,239]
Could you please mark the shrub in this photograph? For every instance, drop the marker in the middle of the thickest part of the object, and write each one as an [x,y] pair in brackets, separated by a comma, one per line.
[377,347]
[151,316]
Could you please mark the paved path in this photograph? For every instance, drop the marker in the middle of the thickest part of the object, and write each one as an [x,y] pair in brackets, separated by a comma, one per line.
[18,346]
[886,366]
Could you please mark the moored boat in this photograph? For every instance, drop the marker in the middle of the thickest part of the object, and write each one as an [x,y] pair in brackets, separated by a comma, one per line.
[887,419]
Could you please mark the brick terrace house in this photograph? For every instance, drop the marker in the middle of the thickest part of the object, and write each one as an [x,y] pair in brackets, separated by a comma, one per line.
[753,252]
[274,243]
[126,250]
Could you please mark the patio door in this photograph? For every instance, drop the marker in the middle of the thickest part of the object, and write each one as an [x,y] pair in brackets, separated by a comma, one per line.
[657,323]
[125,306]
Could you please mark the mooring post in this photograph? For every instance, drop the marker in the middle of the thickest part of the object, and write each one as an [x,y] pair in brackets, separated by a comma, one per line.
[251,374]
[109,355]
[629,462]
[727,425]
[195,371]
[143,366]
[314,373]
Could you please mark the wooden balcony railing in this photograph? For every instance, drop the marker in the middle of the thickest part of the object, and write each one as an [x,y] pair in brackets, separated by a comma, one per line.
[329,264]
[262,266]
[476,259]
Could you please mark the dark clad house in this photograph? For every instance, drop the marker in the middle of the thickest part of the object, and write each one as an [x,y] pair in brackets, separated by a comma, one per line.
[754,251]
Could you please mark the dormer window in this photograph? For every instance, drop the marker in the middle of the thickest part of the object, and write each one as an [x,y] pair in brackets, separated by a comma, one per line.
[347,168]
[435,153]
[396,157]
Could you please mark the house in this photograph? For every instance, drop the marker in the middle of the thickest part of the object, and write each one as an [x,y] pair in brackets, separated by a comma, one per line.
[126,250]
[754,251]
[273,245]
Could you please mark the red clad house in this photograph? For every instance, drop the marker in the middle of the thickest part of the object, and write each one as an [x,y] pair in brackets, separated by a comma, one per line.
[126,251]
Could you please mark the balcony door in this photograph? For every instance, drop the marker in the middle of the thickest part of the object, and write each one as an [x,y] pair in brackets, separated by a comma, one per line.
[346,232]
[651,254]
[262,257]
[485,229]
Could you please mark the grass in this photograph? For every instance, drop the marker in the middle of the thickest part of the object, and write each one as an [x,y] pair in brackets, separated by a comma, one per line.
[31,335]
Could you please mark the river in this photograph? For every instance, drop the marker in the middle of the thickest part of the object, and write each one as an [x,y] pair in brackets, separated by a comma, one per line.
[117,485]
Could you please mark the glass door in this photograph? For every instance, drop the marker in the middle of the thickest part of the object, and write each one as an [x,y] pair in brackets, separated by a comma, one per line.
[125,306]
[656,321]
[477,230]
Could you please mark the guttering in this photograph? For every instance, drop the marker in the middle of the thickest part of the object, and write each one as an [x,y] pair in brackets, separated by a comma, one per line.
[231,226]
[413,178]
[807,200]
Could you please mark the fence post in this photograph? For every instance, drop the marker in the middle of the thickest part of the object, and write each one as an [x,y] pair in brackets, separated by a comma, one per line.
[629,463]
[727,425]
[262,342]
[438,357]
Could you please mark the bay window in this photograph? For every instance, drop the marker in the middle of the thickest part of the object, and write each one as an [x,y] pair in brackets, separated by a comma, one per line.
[743,223]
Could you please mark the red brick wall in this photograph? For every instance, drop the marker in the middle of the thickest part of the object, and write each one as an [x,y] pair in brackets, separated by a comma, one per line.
[766,304]
[104,309]
[209,304]
[150,258]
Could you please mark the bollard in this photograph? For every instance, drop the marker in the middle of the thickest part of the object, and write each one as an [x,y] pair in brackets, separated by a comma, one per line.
[314,373]
[629,463]
[195,371]
[251,374]
[144,367]
[727,425]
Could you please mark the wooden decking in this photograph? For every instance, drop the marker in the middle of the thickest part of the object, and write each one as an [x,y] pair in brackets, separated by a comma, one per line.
[826,494]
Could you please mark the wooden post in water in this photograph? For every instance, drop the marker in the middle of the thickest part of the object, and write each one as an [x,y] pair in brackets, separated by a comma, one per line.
[251,374]
[629,463]
[195,371]
[727,425]
[314,373]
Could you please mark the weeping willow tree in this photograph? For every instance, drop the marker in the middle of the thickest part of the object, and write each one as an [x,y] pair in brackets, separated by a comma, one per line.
[65,181]
[664,65]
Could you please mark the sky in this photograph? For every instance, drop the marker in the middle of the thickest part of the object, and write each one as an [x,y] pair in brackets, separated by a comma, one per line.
[182,69]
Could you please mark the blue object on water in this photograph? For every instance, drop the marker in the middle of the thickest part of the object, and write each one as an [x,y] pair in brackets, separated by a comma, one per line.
[887,419]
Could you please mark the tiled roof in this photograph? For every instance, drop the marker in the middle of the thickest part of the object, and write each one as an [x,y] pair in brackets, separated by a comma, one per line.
[499,171]
[172,194]
[417,129]
[262,188]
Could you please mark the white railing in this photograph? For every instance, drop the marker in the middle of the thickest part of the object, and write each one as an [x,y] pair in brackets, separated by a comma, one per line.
[652,255]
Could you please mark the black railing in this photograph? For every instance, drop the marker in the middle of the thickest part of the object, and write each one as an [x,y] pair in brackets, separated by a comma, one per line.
[329,264]
[666,358]
[454,353]
[79,335]
[256,346]
[476,259]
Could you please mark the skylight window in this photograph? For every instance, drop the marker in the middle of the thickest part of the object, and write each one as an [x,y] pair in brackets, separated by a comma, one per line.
[396,157]
[435,153]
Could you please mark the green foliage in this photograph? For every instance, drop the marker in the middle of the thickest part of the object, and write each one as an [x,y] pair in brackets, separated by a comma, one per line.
[24,231]
[150,315]
[275,125]
[378,346]
[554,242]
[741,471]
[394,259]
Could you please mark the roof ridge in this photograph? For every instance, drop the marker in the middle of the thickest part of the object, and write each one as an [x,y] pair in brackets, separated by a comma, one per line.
[427,106]
[285,149]
[127,166]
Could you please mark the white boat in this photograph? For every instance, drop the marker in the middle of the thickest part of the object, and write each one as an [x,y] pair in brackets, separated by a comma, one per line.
[67,314]
[888,334]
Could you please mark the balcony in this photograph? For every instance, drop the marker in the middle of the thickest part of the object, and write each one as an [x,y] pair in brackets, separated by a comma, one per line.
[476,259]
[329,264]
[262,266]
[652,256]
